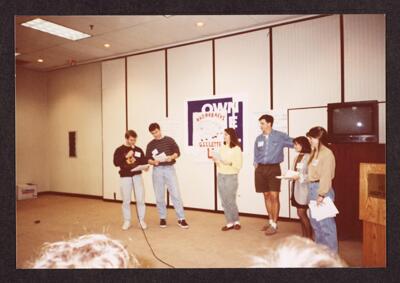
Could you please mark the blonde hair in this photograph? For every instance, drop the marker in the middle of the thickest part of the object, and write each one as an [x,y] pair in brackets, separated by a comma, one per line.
[295,251]
[87,251]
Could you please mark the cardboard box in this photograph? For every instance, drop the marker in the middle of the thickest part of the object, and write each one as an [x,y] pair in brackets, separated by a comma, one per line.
[26,191]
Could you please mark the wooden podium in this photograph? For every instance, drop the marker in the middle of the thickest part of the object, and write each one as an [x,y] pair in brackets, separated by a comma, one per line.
[373,213]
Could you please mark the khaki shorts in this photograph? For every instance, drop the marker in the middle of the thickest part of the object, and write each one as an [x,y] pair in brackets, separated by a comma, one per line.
[265,178]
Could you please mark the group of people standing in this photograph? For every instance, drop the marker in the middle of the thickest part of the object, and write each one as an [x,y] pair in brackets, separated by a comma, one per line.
[315,164]
[128,156]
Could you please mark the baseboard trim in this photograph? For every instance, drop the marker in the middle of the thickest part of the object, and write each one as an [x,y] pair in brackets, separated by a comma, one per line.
[69,194]
[285,219]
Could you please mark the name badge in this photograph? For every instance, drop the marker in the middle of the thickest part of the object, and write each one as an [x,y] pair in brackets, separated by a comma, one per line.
[155,152]
[138,154]
[299,166]
[314,162]
[260,144]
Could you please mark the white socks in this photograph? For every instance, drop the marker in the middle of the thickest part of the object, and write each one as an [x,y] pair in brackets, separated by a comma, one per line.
[231,224]
[273,224]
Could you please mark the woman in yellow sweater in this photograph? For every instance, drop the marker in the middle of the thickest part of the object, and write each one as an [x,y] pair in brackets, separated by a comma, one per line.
[229,162]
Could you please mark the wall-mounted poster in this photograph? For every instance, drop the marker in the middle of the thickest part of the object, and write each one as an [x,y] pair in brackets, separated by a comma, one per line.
[208,129]
[207,120]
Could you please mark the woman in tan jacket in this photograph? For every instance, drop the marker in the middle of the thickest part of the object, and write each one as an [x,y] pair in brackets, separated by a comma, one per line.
[321,171]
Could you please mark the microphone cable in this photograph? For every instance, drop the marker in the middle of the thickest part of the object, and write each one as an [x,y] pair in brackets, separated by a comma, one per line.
[141,228]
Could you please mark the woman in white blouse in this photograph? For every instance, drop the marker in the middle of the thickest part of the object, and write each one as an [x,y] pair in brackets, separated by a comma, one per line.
[299,185]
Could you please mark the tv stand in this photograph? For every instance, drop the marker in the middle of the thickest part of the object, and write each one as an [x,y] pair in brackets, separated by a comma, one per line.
[346,183]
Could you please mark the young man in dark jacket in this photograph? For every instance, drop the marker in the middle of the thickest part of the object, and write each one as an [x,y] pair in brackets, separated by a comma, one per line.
[127,157]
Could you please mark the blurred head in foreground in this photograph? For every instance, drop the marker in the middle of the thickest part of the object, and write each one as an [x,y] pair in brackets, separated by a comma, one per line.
[87,251]
[295,251]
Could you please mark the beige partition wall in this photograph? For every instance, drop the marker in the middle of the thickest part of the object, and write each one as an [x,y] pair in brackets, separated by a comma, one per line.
[242,71]
[364,62]
[364,57]
[74,99]
[113,119]
[31,124]
[146,101]
[306,63]
[189,78]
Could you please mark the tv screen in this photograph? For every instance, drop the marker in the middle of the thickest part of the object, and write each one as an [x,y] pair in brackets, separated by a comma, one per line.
[353,120]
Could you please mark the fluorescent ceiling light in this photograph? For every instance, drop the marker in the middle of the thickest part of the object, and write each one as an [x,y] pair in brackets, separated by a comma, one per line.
[55,29]
[40,60]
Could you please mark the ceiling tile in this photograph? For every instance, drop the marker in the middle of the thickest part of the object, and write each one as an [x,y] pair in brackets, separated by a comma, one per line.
[125,34]
[29,40]
[121,22]
[266,19]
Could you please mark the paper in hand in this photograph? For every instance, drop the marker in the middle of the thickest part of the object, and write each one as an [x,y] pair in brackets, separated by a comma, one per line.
[162,157]
[216,155]
[326,209]
[289,174]
[140,167]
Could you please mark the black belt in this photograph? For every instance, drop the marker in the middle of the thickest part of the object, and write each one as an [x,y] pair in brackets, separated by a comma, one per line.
[268,164]
[317,181]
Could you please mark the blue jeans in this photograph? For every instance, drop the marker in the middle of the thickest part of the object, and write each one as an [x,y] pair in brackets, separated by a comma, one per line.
[166,176]
[127,184]
[227,188]
[324,230]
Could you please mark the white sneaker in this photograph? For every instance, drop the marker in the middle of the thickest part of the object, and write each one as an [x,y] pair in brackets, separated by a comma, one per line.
[126,225]
[143,224]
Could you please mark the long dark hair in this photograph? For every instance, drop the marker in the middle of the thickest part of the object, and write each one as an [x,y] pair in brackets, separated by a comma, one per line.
[304,143]
[234,139]
[305,148]
[322,135]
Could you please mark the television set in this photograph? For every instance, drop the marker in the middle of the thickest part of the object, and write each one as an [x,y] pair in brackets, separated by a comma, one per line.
[353,122]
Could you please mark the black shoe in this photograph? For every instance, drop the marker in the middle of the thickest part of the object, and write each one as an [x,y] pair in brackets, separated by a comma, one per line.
[271,230]
[182,223]
[163,223]
[237,226]
[226,228]
[265,227]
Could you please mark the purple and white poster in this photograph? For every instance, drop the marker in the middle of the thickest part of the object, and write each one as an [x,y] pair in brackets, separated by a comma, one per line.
[208,118]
